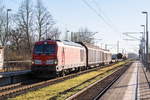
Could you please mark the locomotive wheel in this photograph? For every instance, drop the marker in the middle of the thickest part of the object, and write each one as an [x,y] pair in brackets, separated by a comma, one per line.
[58,74]
[78,69]
[63,73]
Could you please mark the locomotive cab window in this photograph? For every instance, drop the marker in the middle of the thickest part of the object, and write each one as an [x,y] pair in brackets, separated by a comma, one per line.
[45,49]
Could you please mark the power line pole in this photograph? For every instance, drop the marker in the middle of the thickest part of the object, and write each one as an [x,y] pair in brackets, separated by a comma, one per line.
[146,13]
[147,39]
[122,51]
[66,35]
[117,46]
[106,46]
[144,47]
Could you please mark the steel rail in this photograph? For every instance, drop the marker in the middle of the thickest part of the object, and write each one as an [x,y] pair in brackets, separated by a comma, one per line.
[12,91]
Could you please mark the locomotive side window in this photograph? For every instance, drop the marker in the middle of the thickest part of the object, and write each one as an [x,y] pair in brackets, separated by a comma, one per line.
[63,51]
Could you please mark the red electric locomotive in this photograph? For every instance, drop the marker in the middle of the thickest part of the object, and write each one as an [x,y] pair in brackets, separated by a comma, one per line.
[52,57]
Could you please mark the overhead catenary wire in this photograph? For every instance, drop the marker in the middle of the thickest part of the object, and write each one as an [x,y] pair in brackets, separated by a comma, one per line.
[131,37]
[100,10]
[104,15]
[99,15]
[13,1]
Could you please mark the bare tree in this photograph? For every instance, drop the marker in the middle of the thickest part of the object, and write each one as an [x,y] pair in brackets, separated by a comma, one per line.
[44,21]
[27,25]
[2,24]
[16,38]
[83,35]
[24,19]
[4,32]
[54,34]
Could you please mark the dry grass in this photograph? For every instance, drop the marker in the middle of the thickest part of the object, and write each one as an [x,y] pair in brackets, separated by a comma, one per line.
[59,91]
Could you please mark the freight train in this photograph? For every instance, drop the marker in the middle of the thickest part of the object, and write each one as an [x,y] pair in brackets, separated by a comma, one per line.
[55,57]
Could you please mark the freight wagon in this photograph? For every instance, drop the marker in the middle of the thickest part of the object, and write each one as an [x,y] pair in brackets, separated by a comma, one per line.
[94,55]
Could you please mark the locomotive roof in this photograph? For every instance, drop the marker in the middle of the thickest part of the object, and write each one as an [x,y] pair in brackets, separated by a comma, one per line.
[71,43]
[65,42]
[45,41]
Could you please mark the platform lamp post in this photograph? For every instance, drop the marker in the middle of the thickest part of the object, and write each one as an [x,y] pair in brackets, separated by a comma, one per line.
[143,43]
[7,23]
[8,10]
[146,13]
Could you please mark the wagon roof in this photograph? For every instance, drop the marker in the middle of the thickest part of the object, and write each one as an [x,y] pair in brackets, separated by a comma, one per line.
[45,41]
[92,46]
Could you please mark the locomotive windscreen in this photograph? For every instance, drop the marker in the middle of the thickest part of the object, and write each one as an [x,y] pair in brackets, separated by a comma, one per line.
[45,49]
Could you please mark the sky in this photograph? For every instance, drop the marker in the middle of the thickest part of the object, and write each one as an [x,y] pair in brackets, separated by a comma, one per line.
[111,20]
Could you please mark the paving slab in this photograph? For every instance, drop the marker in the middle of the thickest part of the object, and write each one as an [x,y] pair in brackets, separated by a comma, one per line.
[143,90]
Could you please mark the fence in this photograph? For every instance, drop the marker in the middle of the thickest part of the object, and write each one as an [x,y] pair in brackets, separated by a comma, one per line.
[10,66]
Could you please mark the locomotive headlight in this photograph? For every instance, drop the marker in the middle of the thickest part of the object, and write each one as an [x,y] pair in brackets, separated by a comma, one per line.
[33,62]
[51,61]
[37,62]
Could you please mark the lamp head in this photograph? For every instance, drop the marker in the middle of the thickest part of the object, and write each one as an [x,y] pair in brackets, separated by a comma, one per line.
[8,9]
[142,25]
[144,12]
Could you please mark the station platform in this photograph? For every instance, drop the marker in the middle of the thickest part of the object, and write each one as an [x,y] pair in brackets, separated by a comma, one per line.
[14,73]
[7,78]
[132,85]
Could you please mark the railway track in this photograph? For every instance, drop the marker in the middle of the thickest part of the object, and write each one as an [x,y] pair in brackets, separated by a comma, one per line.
[5,88]
[96,90]
[17,85]
[20,88]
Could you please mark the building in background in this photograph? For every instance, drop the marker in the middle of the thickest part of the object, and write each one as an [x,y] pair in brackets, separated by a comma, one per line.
[1,57]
